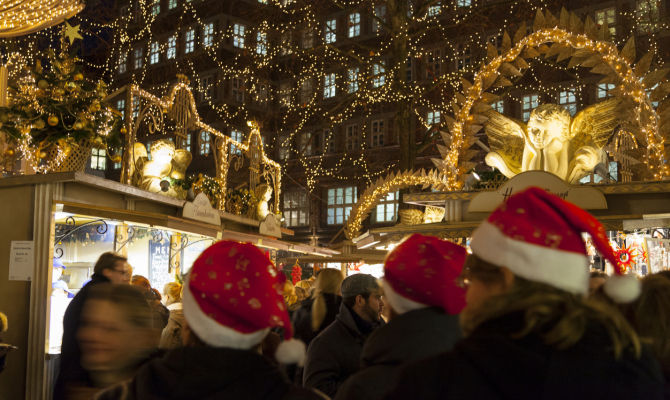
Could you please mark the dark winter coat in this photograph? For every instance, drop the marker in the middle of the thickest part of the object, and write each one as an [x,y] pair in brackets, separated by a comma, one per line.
[171,335]
[70,354]
[489,364]
[208,373]
[302,317]
[335,354]
[409,337]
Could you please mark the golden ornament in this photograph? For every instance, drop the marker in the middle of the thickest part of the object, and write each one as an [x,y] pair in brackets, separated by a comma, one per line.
[123,130]
[78,125]
[42,154]
[70,86]
[71,32]
[116,158]
[53,120]
[9,152]
[58,92]
[95,107]
[39,124]
[78,76]
[42,84]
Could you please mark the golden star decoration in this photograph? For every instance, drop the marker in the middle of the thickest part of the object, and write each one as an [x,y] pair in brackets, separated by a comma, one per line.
[72,32]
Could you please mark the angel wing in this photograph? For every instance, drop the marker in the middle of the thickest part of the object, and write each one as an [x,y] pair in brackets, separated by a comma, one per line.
[595,125]
[506,140]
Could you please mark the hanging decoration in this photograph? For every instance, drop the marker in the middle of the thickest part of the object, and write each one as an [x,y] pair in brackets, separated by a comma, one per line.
[626,255]
[296,273]
[22,17]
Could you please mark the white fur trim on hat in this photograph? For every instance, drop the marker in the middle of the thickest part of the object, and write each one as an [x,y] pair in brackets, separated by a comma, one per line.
[212,332]
[562,269]
[399,303]
[622,288]
[291,352]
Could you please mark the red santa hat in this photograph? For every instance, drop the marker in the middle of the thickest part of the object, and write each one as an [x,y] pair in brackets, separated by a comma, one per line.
[538,236]
[234,295]
[421,272]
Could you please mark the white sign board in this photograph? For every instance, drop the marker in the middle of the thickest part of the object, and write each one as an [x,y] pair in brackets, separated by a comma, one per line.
[21,260]
[201,210]
[585,197]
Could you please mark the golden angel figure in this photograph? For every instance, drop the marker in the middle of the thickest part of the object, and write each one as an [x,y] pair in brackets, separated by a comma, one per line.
[552,140]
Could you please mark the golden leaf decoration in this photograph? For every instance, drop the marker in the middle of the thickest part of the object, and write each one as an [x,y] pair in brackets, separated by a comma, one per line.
[643,65]
[628,51]
[538,23]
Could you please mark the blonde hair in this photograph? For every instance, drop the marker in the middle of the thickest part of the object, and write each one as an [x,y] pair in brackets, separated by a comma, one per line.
[173,289]
[559,317]
[328,281]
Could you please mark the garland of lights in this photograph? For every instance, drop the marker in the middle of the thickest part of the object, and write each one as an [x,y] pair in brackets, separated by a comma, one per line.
[580,46]
[21,17]
[379,189]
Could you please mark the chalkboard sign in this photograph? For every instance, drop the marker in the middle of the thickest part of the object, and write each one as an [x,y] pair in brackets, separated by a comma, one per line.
[159,263]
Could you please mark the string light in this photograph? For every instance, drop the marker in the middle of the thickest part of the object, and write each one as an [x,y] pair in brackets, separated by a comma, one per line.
[20,17]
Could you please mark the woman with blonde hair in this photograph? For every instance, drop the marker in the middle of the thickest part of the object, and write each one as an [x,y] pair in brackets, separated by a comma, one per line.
[171,336]
[530,331]
[317,312]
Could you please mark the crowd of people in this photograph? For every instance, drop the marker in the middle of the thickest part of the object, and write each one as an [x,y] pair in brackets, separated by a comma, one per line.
[521,317]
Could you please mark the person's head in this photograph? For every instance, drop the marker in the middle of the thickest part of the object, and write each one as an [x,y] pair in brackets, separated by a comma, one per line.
[116,329]
[306,286]
[529,257]
[650,316]
[172,292]
[290,297]
[597,278]
[300,294]
[421,272]
[141,282]
[328,281]
[362,294]
[232,297]
[114,267]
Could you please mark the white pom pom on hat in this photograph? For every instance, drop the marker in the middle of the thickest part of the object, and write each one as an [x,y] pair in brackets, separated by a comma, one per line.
[291,351]
[622,288]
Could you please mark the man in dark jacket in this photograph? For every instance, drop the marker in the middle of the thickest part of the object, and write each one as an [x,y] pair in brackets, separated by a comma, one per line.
[230,301]
[110,267]
[334,354]
[424,301]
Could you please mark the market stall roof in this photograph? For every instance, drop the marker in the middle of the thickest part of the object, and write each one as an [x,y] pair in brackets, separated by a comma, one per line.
[323,254]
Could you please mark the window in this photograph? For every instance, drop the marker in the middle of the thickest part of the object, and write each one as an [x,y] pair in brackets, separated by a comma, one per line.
[433,63]
[237,136]
[340,202]
[604,90]
[208,34]
[138,56]
[148,147]
[352,80]
[433,118]
[307,39]
[296,208]
[237,89]
[238,35]
[647,13]
[409,70]
[435,9]
[285,95]
[305,91]
[117,165]
[567,99]
[352,137]
[172,4]
[123,62]
[607,17]
[283,151]
[205,143]
[378,132]
[156,7]
[185,143]
[529,103]
[378,74]
[329,86]
[379,17]
[263,1]
[331,31]
[261,43]
[261,95]
[305,144]
[463,3]
[207,88]
[354,24]
[172,47]
[121,107]
[286,44]
[499,106]
[98,159]
[136,107]
[154,53]
[189,41]
[387,208]
[463,57]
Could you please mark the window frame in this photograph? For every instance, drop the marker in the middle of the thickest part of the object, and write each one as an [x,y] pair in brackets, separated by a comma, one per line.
[339,197]
[330,32]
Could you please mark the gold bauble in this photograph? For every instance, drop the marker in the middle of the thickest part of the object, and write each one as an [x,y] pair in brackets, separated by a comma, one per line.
[42,154]
[78,76]
[97,140]
[53,120]
[42,84]
[78,125]
[58,92]
[123,130]
[70,86]
[9,152]
[39,124]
